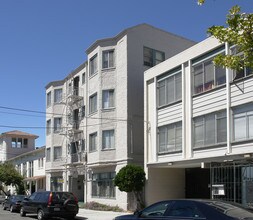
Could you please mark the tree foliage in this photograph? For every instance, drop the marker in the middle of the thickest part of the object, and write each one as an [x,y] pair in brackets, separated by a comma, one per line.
[10,176]
[131,178]
[238,31]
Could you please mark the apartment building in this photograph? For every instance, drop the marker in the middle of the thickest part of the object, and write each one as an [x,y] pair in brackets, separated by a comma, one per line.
[18,148]
[199,130]
[14,143]
[95,115]
[31,165]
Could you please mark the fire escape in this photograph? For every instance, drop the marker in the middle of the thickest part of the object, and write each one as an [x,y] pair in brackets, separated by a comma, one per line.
[75,132]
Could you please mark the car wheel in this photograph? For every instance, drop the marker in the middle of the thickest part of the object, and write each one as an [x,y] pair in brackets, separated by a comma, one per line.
[22,212]
[40,215]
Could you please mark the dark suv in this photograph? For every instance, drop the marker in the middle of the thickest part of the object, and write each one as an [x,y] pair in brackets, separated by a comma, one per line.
[50,204]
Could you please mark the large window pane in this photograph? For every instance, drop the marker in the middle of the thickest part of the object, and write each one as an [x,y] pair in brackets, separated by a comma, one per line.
[93,65]
[170,138]
[210,129]
[240,127]
[161,93]
[170,89]
[93,103]
[108,99]
[198,132]
[108,139]
[57,95]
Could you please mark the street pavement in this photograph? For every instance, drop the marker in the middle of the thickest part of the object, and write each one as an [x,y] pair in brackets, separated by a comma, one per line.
[87,214]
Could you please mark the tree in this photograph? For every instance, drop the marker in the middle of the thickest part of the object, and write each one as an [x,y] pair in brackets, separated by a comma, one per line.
[239,32]
[10,176]
[131,178]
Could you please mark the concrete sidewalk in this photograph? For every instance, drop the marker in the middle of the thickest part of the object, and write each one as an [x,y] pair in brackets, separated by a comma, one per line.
[97,215]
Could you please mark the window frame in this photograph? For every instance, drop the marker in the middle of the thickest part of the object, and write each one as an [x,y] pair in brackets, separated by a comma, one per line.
[150,59]
[102,185]
[93,67]
[244,112]
[201,122]
[57,96]
[111,136]
[108,96]
[93,106]
[57,126]
[202,62]
[108,61]
[173,75]
[49,99]
[57,156]
[93,142]
[177,135]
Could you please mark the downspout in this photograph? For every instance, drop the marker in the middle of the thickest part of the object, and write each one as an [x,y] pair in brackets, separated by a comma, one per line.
[228,104]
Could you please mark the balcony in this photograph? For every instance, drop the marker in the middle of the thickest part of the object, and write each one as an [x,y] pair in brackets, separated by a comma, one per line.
[76,158]
[74,95]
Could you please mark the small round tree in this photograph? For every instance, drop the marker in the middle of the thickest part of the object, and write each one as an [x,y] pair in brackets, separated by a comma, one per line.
[131,178]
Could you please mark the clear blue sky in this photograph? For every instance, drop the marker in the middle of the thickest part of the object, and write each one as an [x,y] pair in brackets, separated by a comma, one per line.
[44,40]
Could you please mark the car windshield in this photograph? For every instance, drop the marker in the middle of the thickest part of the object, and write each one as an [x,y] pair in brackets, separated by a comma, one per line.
[19,197]
[232,209]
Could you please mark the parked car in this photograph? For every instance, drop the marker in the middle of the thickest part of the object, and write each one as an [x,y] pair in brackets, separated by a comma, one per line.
[2,198]
[13,202]
[191,209]
[50,204]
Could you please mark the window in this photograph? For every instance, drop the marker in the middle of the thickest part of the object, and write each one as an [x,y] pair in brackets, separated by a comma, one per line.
[108,99]
[108,139]
[24,170]
[102,185]
[25,142]
[210,129]
[243,122]
[170,138]
[185,209]
[57,152]
[13,143]
[206,75]
[56,183]
[108,59]
[83,111]
[49,101]
[83,78]
[48,129]
[157,209]
[152,57]
[245,71]
[48,154]
[93,103]
[57,95]
[93,65]
[57,125]
[19,142]
[41,163]
[93,142]
[170,88]
[31,170]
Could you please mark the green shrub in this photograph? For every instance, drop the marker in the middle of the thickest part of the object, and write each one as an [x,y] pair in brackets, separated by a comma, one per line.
[100,207]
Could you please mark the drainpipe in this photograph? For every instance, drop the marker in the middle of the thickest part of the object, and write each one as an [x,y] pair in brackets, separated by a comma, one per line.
[228,104]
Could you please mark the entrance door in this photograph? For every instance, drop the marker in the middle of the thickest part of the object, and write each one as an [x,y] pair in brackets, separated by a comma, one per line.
[197,182]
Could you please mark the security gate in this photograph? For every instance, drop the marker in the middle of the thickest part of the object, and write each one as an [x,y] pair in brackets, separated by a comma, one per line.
[232,181]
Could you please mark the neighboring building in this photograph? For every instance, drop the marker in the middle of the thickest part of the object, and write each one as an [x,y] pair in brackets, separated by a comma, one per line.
[95,115]
[14,143]
[199,130]
[31,165]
